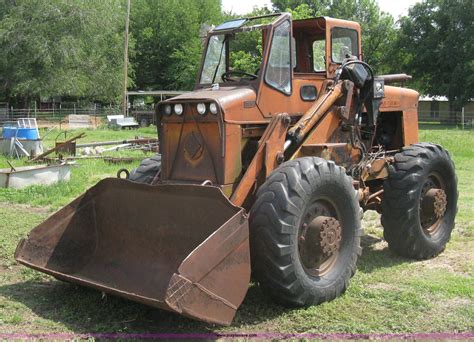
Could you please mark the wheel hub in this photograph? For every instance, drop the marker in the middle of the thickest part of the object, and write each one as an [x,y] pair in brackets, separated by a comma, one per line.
[320,240]
[330,234]
[433,205]
[435,202]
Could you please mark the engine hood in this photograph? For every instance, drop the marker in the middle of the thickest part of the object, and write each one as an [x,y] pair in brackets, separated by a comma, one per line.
[224,96]
[238,103]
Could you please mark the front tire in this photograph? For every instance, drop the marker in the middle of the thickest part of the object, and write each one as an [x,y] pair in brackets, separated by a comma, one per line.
[305,232]
[420,201]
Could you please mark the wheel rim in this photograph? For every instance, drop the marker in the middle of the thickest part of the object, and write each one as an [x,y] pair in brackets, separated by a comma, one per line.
[433,204]
[319,239]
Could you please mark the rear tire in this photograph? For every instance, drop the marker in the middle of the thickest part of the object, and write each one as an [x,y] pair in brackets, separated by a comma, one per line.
[410,229]
[147,171]
[288,241]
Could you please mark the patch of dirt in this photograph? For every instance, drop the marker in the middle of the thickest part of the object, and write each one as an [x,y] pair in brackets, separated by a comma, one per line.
[28,208]
[456,302]
[464,229]
[458,258]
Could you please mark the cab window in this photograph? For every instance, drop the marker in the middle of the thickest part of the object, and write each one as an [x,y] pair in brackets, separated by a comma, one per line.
[278,74]
[319,55]
[343,42]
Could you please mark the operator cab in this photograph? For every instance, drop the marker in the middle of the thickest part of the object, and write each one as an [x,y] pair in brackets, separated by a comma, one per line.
[285,60]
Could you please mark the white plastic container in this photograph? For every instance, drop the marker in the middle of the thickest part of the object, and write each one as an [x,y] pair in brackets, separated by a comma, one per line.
[24,176]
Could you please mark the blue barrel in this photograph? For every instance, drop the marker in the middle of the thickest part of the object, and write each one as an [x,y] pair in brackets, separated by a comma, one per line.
[20,133]
[8,132]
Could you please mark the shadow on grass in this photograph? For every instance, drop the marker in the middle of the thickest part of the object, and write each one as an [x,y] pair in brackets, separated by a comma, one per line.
[374,258]
[84,310]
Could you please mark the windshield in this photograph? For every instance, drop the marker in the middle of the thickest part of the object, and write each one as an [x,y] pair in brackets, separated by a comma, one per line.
[214,63]
[236,55]
[243,62]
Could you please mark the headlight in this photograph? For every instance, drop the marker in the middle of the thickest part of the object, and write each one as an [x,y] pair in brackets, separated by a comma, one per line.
[213,108]
[167,109]
[178,109]
[201,108]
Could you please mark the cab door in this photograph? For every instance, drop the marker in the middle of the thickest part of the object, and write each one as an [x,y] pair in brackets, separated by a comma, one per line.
[276,88]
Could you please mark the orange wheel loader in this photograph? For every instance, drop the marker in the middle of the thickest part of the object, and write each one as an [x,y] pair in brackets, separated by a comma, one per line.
[266,167]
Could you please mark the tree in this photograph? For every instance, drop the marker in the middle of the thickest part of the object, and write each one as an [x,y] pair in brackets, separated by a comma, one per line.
[378,29]
[61,47]
[168,42]
[314,8]
[436,45]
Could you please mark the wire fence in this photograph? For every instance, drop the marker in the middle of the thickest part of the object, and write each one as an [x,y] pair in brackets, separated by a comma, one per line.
[460,119]
[55,115]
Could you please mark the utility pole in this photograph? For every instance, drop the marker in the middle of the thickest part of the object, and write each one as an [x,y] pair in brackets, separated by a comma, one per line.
[125,62]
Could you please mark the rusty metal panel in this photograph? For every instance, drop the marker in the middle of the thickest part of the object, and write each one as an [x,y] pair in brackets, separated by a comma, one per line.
[399,99]
[192,152]
[406,101]
[233,153]
[410,127]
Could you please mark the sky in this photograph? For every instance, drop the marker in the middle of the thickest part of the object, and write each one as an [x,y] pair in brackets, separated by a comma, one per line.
[395,7]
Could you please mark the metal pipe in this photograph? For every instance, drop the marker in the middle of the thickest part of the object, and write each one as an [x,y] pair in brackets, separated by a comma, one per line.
[394,78]
[375,194]
[117,142]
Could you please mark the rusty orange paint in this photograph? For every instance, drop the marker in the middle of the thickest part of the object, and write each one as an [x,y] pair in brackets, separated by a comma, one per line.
[269,146]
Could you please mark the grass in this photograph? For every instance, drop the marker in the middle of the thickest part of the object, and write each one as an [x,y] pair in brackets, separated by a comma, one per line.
[388,294]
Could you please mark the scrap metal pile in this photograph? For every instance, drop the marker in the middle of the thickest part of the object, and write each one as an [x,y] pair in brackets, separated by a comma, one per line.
[70,150]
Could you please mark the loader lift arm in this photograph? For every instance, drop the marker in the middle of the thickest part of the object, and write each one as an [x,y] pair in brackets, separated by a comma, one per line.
[269,154]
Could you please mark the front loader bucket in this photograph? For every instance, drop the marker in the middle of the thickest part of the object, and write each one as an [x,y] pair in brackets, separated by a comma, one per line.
[183,248]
